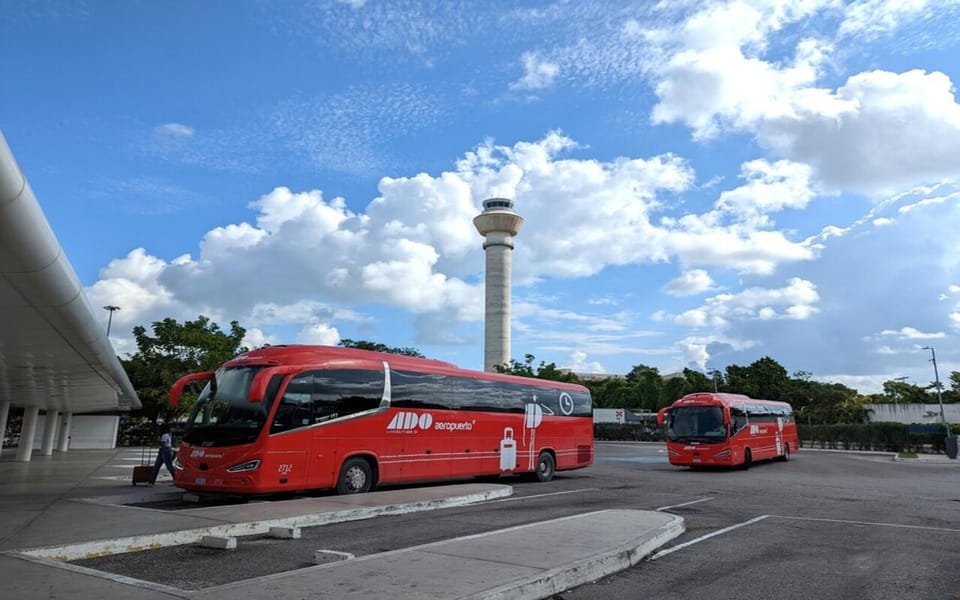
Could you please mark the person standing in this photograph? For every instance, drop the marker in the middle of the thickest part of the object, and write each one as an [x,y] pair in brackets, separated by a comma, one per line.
[165,454]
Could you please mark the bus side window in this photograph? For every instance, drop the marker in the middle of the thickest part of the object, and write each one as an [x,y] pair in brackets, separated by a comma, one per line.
[294,409]
[738,420]
[342,392]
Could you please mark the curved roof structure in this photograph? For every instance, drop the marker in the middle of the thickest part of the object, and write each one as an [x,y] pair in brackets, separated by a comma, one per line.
[54,352]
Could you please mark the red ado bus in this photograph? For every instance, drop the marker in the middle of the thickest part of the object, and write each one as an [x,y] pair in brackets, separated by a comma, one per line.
[710,429]
[285,418]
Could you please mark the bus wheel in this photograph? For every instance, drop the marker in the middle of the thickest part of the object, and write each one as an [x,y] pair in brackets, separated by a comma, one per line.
[356,477]
[747,459]
[786,452]
[546,466]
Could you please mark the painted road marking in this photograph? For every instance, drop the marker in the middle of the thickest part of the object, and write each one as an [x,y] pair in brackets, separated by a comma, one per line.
[848,522]
[513,498]
[663,508]
[635,459]
[663,553]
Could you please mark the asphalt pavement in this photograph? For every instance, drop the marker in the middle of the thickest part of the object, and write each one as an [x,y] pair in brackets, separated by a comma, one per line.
[62,513]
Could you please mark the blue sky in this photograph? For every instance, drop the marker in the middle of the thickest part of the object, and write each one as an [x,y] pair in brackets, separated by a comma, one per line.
[703,183]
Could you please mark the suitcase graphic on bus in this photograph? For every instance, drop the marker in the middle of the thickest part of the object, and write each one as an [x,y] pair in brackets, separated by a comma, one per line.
[508,450]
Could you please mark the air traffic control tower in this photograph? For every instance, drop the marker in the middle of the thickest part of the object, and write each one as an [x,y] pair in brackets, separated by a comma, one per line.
[498,223]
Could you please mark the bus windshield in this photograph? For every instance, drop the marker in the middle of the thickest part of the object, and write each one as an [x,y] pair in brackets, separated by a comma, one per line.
[223,414]
[696,424]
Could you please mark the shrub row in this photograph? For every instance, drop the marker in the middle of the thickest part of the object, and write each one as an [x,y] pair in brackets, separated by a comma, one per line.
[627,432]
[883,437]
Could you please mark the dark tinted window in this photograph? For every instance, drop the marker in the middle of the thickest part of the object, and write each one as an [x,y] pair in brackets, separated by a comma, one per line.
[420,390]
[762,413]
[475,394]
[294,409]
[342,392]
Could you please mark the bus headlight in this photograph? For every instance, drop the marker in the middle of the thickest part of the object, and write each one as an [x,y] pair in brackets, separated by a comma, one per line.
[722,453]
[176,462]
[250,465]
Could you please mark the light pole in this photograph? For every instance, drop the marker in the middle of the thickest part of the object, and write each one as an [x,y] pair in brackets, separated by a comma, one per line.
[111,309]
[713,375]
[936,375]
[896,391]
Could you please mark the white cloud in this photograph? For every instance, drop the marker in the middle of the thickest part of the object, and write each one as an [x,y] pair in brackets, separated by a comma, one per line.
[796,301]
[911,333]
[770,187]
[301,257]
[695,281]
[319,333]
[868,19]
[256,338]
[175,130]
[538,73]
[883,221]
[877,131]
[578,363]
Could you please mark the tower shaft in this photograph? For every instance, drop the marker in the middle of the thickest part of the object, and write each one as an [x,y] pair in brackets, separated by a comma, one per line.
[498,223]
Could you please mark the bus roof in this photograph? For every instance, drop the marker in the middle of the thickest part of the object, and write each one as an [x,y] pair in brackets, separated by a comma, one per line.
[306,355]
[724,399]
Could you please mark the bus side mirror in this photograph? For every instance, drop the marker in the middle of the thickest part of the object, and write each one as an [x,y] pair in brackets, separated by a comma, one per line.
[176,390]
[662,416]
[258,387]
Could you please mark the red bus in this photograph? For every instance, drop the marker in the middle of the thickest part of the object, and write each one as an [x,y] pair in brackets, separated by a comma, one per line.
[286,418]
[710,429]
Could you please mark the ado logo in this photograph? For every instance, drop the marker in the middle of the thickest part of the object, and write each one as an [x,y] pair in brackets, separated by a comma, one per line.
[409,421]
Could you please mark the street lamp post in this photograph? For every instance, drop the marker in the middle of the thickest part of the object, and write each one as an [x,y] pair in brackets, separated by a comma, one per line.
[111,309]
[713,375]
[936,375]
[896,391]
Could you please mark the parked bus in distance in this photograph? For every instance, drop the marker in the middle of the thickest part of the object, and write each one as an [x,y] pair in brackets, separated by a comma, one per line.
[710,429]
[287,418]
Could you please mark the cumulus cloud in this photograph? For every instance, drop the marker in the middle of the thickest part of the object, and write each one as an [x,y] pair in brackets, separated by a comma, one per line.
[302,257]
[796,301]
[692,282]
[911,333]
[578,363]
[879,130]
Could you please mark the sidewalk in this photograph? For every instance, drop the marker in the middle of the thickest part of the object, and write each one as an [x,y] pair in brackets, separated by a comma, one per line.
[58,508]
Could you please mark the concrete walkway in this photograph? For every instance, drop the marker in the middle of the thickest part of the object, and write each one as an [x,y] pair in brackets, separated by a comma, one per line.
[77,505]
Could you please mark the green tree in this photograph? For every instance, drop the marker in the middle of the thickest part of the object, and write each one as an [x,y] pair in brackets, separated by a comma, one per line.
[174,350]
[542,371]
[695,381]
[377,347]
[895,391]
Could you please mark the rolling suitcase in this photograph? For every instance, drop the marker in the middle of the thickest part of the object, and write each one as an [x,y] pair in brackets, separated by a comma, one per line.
[142,473]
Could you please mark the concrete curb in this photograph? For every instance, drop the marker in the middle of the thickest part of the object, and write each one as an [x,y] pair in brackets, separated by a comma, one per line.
[578,573]
[107,547]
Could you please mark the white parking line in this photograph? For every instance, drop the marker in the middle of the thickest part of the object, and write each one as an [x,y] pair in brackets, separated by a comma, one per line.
[663,553]
[513,498]
[663,508]
[898,525]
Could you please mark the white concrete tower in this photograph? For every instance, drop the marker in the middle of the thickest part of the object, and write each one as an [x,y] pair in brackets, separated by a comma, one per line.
[498,224]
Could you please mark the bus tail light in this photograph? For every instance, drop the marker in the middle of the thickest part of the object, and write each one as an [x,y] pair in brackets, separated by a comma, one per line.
[250,465]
